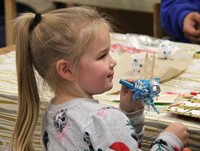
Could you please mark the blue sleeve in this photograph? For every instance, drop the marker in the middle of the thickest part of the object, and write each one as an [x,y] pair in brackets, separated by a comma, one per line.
[173,13]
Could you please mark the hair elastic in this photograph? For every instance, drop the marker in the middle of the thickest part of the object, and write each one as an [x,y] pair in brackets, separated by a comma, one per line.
[35,21]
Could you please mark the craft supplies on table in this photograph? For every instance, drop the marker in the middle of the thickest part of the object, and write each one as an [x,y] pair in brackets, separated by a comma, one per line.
[182,81]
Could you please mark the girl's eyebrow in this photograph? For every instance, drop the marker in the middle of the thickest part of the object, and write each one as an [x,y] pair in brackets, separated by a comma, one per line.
[106,49]
[103,51]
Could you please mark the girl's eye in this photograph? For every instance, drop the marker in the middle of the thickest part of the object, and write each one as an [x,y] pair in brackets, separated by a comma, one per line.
[103,56]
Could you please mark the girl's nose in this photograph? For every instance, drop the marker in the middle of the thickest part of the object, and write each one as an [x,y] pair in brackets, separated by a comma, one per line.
[113,62]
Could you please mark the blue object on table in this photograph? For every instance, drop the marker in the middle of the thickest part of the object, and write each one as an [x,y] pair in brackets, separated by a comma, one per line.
[145,90]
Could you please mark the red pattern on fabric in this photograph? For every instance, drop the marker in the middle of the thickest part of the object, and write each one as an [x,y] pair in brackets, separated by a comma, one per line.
[176,148]
[119,146]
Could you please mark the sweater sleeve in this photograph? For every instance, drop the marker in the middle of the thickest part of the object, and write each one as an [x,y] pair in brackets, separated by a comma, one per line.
[167,141]
[111,129]
[137,120]
[173,13]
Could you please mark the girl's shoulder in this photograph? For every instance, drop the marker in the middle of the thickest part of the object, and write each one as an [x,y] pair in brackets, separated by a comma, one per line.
[79,105]
[83,108]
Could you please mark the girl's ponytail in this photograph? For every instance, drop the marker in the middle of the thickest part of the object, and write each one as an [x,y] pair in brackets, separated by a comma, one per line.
[28,95]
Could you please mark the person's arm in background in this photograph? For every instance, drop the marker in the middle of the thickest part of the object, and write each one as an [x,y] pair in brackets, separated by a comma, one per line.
[173,13]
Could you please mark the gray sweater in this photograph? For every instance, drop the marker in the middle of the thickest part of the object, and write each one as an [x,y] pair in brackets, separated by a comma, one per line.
[85,125]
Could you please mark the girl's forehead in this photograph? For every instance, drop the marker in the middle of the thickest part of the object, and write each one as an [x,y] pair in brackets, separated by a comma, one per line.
[102,41]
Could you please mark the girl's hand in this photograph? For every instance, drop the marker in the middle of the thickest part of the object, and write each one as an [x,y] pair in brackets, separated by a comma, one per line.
[179,130]
[126,101]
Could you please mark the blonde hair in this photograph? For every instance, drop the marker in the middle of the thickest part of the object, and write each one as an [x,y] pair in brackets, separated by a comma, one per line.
[61,34]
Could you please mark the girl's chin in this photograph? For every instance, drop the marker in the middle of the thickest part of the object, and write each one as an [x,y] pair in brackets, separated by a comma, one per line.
[102,90]
[109,87]
[105,90]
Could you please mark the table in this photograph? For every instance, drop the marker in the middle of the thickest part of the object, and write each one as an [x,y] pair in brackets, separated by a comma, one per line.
[184,83]
[154,123]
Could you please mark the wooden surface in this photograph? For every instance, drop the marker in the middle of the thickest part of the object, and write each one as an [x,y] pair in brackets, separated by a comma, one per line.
[125,17]
[130,5]
[10,13]
[157,29]
[7,49]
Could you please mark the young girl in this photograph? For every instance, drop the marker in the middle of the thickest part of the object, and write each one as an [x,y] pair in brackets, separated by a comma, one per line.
[69,48]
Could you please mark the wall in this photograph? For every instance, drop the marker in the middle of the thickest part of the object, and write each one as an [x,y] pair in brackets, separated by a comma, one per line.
[130,16]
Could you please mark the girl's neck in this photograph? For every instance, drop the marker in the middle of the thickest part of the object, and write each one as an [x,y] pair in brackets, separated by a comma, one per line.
[62,98]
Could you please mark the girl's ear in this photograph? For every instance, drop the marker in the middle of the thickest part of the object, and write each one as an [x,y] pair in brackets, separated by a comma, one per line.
[63,69]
